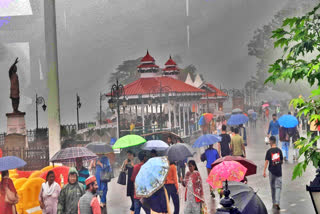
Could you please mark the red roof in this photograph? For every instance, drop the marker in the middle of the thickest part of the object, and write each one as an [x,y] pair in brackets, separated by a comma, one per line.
[148,66]
[217,91]
[171,69]
[170,62]
[145,86]
[147,58]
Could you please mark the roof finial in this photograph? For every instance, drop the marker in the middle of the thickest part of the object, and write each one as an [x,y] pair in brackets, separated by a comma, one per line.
[147,51]
[170,56]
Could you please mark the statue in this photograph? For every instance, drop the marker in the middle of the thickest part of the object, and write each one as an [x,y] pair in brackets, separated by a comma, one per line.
[14,89]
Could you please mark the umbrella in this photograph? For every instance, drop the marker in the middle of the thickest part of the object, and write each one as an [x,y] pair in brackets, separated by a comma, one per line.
[60,172]
[251,167]
[237,119]
[11,162]
[157,145]
[236,111]
[226,171]
[71,154]
[250,111]
[179,152]
[246,200]
[265,105]
[128,141]
[113,141]
[99,148]
[151,176]
[205,119]
[206,140]
[288,121]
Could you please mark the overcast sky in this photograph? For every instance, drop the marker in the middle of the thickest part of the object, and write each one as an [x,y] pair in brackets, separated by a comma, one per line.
[97,35]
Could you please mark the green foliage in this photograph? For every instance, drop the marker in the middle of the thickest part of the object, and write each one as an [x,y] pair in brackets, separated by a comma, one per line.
[299,37]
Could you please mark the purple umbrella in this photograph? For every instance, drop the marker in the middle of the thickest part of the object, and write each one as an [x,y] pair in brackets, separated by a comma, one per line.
[11,162]
[71,154]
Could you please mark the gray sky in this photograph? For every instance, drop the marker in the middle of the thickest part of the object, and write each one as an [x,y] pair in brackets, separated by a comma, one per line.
[97,35]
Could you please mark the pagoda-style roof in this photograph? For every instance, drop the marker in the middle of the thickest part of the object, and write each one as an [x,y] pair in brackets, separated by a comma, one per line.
[170,62]
[145,86]
[171,68]
[147,58]
[217,92]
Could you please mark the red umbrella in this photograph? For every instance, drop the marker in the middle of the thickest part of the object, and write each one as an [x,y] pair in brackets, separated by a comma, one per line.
[251,167]
[60,171]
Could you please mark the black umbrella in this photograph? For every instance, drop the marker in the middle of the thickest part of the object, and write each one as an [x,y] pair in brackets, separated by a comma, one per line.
[179,152]
[99,148]
[246,200]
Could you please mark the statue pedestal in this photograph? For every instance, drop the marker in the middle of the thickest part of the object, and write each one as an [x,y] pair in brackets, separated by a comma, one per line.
[16,131]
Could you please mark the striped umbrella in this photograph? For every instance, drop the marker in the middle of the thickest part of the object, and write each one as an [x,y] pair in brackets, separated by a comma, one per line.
[71,154]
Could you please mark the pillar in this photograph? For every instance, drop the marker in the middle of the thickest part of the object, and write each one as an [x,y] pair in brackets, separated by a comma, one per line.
[169,112]
[188,116]
[142,114]
[184,120]
[53,77]
[175,115]
[179,115]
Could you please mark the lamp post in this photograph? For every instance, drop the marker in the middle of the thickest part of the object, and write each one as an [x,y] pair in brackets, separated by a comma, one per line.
[102,96]
[314,190]
[78,106]
[39,101]
[227,203]
[159,90]
[117,91]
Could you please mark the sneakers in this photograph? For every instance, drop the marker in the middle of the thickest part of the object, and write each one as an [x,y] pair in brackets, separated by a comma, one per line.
[276,207]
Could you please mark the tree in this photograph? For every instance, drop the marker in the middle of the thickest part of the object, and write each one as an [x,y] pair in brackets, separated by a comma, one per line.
[126,72]
[300,39]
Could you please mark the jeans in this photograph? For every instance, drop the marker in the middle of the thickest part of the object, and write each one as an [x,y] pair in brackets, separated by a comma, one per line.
[172,192]
[277,139]
[102,191]
[285,149]
[132,203]
[181,171]
[276,185]
[137,207]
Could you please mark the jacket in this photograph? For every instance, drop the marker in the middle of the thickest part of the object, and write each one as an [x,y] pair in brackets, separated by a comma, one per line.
[69,197]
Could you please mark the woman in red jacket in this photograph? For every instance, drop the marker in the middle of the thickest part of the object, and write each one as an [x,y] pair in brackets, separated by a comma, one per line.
[194,189]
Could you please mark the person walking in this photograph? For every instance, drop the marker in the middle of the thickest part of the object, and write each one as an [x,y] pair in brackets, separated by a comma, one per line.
[274,159]
[70,194]
[171,184]
[194,189]
[88,203]
[237,146]
[137,203]
[274,128]
[243,133]
[102,166]
[128,165]
[181,168]
[294,136]
[285,142]
[6,186]
[82,171]
[49,193]
[224,144]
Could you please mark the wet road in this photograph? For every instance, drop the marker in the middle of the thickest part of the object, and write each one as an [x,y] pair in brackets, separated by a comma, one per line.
[294,197]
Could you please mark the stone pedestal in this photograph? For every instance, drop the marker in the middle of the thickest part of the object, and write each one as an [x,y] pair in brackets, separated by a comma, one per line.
[16,131]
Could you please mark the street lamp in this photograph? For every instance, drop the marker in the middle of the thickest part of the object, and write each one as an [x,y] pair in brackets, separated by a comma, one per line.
[227,203]
[39,101]
[117,91]
[78,106]
[314,190]
[159,90]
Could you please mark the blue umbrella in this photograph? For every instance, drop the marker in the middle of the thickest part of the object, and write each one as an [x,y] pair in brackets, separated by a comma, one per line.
[288,121]
[206,140]
[11,162]
[113,141]
[151,176]
[237,119]
[157,145]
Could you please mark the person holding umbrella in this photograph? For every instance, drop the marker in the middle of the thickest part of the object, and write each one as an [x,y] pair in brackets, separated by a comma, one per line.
[103,166]
[6,183]
[128,165]
[194,189]
[70,194]
[172,187]
[83,171]
[274,128]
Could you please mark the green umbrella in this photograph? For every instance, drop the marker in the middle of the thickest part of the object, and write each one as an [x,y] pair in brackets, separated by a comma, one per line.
[128,141]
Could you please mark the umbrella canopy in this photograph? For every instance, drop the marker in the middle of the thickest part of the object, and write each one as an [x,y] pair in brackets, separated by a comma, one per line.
[11,162]
[250,111]
[128,141]
[113,141]
[251,167]
[151,176]
[179,152]
[205,119]
[157,145]
[206,140]
[99,148]
[265,105]
[236,111]
[60,171]
[246,200]
[226,171]
[237,119]
[68,155]
[288,121]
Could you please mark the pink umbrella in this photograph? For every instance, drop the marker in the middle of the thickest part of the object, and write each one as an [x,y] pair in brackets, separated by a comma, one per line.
[226,171]
[265,105]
